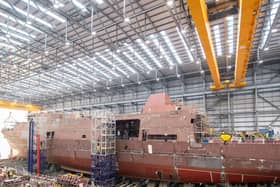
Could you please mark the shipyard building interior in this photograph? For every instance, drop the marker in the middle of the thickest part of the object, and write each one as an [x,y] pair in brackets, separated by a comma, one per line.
[140,93]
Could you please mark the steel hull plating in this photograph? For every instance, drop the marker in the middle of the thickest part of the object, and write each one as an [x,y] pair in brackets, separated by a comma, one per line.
[180,159]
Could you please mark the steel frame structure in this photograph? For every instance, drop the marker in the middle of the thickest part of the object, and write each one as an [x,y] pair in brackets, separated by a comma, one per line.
[63,72]
[252,107]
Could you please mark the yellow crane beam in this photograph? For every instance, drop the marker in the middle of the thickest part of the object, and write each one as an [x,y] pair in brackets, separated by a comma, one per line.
[19,106]
[199,14]
[248,12]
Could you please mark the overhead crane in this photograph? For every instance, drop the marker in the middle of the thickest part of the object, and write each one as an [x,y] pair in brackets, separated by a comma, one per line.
[199,14]
[248,13]
[19,106]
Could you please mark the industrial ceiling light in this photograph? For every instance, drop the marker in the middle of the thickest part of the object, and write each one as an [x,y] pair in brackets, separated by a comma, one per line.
[99,1]
[197,62]
[185,45]
[7,46]
[139,57]
[200,46]
[10,18]
[28,10]
[274,6]
[93,32]
[201,71]
[110,63]
[217,40]
[122,85]
[230,29]
[274,30]
[178,75]
[10,40]
[57,4]
[171,47]
[266,49]
[162,52]
[79,5]
[157,79]
[126,19]
[150,54]
[170,3]
[17,36]
[53,15]
[67,43]
[123,63]
[16,30]
[260,61]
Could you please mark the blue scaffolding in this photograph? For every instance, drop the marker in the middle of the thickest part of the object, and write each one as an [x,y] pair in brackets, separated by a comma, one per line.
[103,150]
[32,150]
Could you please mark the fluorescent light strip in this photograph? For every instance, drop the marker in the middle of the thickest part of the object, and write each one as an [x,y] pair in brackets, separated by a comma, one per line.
[165,37]
[106,68]
[55,16]
[70,77]
[185,45]
[143,46]
[33,17]
[79,5]
[132,60]
[90,66]
[139,58]
[82,72]
[106,60]
[230,20]
[9,17]
[200,45]
[156,42]
[10,40]
[57,4]
[217,40]
[16,36]
[25,13]
[5,4]
[99,1]
[267,28]
[124,64]
[7,45]
[7,27]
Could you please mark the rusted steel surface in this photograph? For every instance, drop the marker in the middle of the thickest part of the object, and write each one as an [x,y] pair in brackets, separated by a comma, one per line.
[181,159]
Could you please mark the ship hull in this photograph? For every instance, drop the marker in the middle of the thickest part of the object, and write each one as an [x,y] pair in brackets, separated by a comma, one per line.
[150,154]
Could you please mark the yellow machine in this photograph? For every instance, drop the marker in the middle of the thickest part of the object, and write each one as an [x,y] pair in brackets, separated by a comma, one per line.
[225,137]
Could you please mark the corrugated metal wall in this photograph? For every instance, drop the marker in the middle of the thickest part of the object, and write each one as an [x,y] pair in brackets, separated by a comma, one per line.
[255,106]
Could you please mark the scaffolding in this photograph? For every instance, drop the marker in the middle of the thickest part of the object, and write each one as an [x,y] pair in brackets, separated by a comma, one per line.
[36,147]
[103,149]
[201,129]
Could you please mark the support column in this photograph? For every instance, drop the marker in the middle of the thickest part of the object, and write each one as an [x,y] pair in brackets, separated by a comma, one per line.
[255,99]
